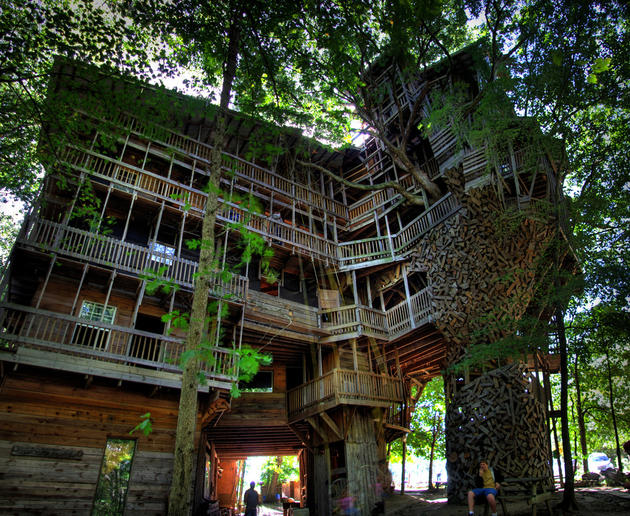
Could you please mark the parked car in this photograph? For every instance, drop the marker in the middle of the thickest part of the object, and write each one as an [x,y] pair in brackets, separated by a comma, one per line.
[599,462]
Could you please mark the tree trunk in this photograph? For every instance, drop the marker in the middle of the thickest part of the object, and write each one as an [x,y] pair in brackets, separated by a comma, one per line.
[182,484]
[404,460]
[612,410]
[568,500]
[580,416]
[436,422]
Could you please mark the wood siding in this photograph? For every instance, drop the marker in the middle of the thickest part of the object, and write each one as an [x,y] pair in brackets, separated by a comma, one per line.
[60,413]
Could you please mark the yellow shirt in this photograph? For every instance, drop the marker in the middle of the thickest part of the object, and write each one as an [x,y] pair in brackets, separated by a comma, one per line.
[488,481]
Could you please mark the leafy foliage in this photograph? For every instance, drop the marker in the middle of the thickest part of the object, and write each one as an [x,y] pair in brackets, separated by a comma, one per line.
[286,468]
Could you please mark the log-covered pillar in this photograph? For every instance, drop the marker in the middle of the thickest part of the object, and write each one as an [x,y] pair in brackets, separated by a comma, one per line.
[497,417]
[362,460]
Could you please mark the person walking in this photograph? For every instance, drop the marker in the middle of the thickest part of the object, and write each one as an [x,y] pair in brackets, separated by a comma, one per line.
[251,500]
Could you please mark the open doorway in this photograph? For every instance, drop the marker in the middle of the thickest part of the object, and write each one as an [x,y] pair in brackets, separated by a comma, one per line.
[276,481]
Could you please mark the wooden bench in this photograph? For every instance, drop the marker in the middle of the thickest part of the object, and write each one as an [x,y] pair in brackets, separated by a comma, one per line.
[532,490]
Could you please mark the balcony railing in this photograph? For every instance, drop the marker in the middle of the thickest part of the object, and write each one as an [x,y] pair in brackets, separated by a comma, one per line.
[343,386]
[341,322]
[348,254]
[103,343]
[232,163]
[354,320]
[389,248]
[85,245]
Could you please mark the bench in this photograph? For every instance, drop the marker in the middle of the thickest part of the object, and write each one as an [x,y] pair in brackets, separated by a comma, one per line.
[531,490]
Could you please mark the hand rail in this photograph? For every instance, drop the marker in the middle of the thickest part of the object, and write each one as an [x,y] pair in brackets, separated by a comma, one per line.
[243,167]
[344,386]
[77,243]
[70,335]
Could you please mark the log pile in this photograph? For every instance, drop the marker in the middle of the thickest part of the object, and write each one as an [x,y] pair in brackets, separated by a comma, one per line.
[496,417]
[483,266]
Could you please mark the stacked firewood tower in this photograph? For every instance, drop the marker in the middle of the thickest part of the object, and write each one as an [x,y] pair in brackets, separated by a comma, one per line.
[371,296]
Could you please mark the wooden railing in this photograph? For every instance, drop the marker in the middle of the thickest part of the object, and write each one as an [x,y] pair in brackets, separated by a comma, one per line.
[340,321]
[343,386]
[111,252]
[352,320]
[381,249]
[246,169]
[297,239]
[22,326]
[408,236]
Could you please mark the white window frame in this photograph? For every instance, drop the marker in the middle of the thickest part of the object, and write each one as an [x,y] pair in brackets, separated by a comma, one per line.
[164,253]
[96,312]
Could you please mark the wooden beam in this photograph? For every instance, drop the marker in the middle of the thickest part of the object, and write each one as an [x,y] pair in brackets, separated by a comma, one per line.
[329,421]
[303,438]
[317,428]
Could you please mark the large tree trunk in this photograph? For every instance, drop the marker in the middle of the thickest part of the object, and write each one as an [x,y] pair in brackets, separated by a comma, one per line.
[612,409]
[580,416]
[181,487]
[435,429]
[568,500]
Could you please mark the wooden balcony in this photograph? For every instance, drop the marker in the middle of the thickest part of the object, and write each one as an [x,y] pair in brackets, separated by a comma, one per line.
[376,250]
[352,321]
[57,238]
[347,255]
[234,164]
[49,339]
[343,387]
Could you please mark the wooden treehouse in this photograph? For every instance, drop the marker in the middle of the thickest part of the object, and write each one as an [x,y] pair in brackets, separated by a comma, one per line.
[373,296]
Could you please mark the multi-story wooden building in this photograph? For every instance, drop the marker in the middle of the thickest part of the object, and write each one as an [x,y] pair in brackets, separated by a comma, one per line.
[373,297]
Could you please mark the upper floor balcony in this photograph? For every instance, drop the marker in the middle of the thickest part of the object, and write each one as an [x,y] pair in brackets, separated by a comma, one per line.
[64,240]
[345,255]
[343,387]
[255,174]
[49,339]
[330,324]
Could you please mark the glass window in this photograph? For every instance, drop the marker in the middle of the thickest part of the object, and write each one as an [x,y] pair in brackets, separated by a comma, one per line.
[163,253]
[97,312]
[113,479]
[94,336]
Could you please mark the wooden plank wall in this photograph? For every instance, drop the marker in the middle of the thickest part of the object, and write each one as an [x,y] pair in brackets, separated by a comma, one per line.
[43,410]
[227,484]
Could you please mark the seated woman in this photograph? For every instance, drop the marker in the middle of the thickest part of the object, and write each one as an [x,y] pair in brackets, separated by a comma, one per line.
[486,488]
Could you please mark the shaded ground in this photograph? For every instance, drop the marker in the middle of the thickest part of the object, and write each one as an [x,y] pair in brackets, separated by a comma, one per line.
[592,501]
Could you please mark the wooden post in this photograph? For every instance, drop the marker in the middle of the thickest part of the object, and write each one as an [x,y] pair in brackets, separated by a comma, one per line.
[408,297]
[357,310]
[389,238]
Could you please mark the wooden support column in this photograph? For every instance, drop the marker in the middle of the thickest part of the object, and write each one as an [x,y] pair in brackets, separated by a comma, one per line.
[517,187]
[389,238]
[134,195]
[53,260]
[408,297]
[357,310]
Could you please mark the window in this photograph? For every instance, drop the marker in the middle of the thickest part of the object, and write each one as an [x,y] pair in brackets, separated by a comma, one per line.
[94,336]
[113,478]
[261,382]
[163,253]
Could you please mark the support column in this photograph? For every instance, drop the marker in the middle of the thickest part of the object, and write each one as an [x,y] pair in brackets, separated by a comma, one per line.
[496,417]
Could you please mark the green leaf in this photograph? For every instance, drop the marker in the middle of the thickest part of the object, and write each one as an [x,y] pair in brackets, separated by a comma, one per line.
[145,426]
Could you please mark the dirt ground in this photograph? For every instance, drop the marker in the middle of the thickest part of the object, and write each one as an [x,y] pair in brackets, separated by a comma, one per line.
[592,501]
